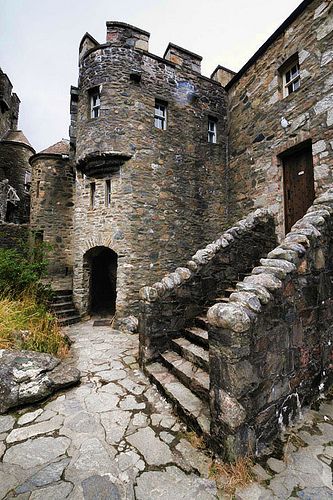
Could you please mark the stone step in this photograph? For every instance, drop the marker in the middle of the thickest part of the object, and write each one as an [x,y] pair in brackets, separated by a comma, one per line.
[69,320]
[62,305]
[197,335]
[229,291]
[201,321]
[63,297]
[192,352]
[195,379]
[189,407]
[66,313]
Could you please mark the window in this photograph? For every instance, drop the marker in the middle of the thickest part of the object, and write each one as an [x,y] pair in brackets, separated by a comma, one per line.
[92,194]
[37,189]
[212,136]
[95,102]
[108,193]
[160,114]
[291,78]
[27,181]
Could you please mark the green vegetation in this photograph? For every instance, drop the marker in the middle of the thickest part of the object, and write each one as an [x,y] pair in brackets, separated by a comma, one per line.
[25,319]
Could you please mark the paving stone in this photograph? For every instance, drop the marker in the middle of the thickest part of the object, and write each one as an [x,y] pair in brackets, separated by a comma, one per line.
[49,474]
[132,386]
[315,494]
[112,375]
[251,492]
[6,423]
[139,420]
[100,488]
[2,449]
[276,465]
[30,431]
[36,452]
[46,415]
[173,484]
[130,403]
[7,483]
[260,473]
[101,402]
[29,417]
[57,491]
[194,457]
[112,388]
[166,437]
[115,424]
[128,459]
[154,451]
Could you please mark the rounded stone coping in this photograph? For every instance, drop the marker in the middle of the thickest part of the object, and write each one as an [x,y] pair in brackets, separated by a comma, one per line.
[202,257]
[256,290]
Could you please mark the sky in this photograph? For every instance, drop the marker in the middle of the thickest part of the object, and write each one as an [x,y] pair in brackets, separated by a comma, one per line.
[39,42]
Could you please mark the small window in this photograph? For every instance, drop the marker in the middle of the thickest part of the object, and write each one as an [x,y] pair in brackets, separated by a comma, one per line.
[92,194]
[37,189]
[160,114]
[27,181]
[108,193]
[291,78]
[212,136]
[95,102]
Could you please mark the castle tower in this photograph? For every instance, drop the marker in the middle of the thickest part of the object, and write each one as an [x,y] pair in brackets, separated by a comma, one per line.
[15,172]
[148,138]
[51,217]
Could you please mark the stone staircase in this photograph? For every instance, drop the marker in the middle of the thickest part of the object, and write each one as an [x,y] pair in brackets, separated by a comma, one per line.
[64,309]
[182,372]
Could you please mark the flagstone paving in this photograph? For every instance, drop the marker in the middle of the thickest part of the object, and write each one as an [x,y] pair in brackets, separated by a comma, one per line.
[114,437]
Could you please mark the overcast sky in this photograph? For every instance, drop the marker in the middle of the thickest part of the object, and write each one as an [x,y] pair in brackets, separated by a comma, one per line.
[39,42]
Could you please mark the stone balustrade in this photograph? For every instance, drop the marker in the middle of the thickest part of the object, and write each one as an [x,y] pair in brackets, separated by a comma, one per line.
[270,347]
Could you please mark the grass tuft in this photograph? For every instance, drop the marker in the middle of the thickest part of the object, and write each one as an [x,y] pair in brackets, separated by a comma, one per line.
[229,477]
[27,324]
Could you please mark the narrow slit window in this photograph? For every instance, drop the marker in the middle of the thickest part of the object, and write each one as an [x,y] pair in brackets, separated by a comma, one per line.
[108,193]
[95,102]
[37,189]
[212,134]
[92,194]
[160,115]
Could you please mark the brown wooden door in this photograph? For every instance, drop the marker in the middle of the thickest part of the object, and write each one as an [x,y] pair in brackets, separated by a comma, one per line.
[298,185]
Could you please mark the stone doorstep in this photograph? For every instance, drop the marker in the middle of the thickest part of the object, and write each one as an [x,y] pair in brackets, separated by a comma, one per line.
[193,377]
[194,353]
[190,408]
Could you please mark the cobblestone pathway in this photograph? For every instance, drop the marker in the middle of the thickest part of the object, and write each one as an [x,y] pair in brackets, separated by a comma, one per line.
[114,438]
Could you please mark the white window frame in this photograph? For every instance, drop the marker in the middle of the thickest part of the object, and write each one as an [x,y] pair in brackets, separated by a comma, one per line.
[212,130]
[291,80]
[160,115]
[95,102]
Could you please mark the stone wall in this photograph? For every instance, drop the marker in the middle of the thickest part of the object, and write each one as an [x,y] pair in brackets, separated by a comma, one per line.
[167,305]
[52,213]
[168,186]
[257,106]
[13,235]
[9,105]
[270,347]
[14,164]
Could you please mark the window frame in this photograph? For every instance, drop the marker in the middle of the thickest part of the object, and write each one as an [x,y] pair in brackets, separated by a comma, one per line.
[294,83]
[94,105]
[158,117]
[212,133]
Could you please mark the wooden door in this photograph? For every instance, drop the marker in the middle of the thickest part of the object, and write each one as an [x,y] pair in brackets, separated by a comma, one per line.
[298,185]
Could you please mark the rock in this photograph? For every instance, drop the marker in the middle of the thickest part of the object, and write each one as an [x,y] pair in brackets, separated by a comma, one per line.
[195,458]
[29,417]
[154,451]
[129,323]
[27,432]
[232,316]
[266,280]
[6,423]
[27,376]
[252,492]
[172,484]
[276,465]
[39,451]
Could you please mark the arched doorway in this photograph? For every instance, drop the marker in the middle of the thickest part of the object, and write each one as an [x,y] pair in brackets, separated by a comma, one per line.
[102,263]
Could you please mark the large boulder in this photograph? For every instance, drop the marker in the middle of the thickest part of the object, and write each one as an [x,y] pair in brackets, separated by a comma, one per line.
[26,377]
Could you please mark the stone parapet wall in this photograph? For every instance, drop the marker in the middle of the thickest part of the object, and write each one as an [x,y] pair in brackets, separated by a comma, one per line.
[271,345]
[167,305]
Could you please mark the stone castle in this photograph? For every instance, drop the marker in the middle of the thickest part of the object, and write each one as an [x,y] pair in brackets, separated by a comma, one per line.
[161,160]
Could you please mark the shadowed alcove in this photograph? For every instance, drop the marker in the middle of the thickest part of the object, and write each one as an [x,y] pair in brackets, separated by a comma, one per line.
[102,264]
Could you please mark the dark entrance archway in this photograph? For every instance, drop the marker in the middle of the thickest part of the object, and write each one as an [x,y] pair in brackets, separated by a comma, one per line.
[103,280]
